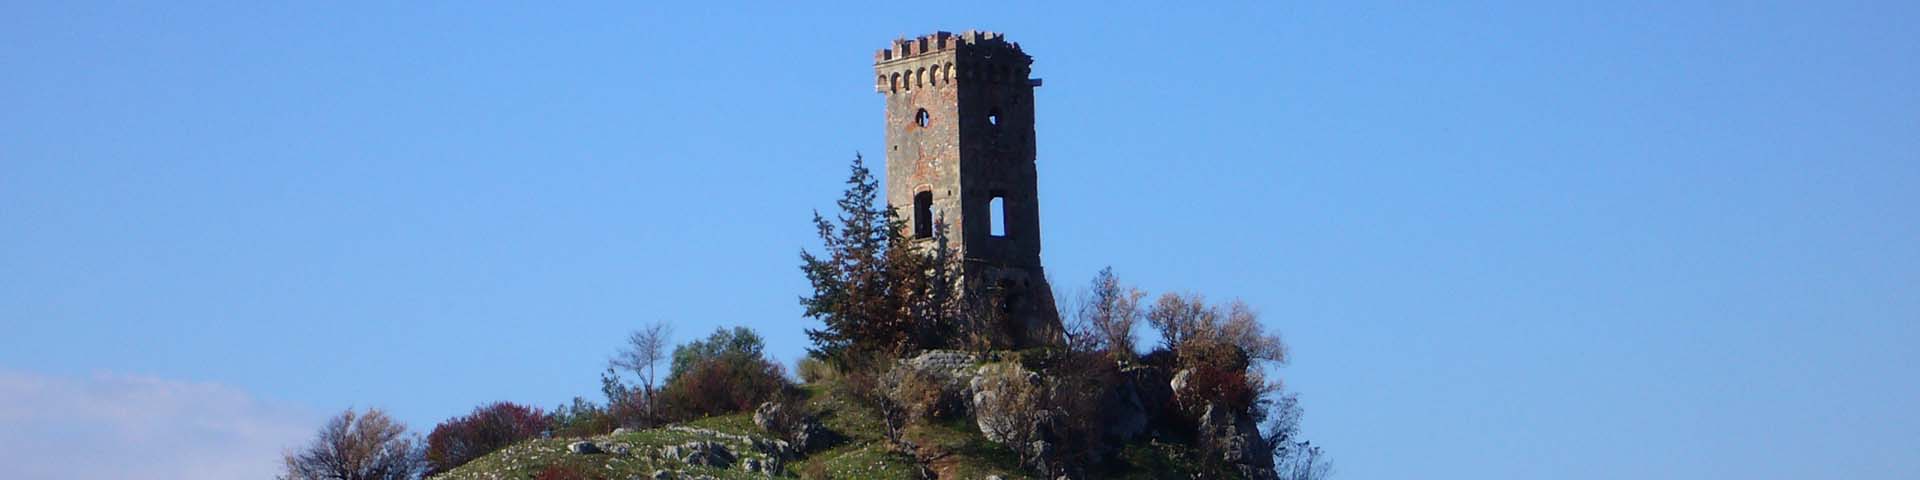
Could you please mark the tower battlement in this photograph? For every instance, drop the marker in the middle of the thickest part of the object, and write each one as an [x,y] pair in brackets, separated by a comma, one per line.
[944,59]
[904,48]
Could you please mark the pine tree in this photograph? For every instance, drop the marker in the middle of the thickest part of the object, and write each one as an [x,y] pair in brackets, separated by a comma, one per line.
[876,294]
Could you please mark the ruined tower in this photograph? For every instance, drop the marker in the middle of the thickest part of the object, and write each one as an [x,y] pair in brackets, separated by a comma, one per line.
[960,153]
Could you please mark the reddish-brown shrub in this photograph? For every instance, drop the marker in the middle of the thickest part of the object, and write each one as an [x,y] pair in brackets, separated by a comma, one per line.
[490,427]
[724,385]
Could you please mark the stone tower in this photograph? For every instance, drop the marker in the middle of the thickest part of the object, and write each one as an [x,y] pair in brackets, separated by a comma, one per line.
[960,153]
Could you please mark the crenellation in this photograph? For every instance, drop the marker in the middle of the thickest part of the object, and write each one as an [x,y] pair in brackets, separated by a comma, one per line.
[904,48]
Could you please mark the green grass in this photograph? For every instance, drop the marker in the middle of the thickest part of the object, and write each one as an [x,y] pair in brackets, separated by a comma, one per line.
[526,459]
[866,460]
[966,453]
[1153,460]
[862,451]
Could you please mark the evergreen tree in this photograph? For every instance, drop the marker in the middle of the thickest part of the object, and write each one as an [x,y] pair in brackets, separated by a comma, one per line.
[876,294]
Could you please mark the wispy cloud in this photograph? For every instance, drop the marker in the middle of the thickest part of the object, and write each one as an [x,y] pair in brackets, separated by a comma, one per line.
[111,426]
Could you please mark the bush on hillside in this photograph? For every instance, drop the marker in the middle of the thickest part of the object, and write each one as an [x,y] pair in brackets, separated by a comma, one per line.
[813,370]
[725,373]
[583,418]
[718,388]
[490,427]
[369,445]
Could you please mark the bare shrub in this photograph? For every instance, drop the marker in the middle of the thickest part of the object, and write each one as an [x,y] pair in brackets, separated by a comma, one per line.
[1179,317]
[358,446]
[1192,329]
[1102,319]
[923,395]
[642,355]
[869,389]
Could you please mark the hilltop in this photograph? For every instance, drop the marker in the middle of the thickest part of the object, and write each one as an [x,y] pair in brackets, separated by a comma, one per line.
[734,446]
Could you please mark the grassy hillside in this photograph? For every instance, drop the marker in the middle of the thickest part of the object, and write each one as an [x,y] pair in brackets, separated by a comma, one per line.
[956,450]
[947,449]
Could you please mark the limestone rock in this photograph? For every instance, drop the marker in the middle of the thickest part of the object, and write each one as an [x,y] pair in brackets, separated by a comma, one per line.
[812,436]
[803,432]
[949,364]
[1237,438]
[995,422]
[771,416]
[583,448]
[708,453]
[1180,380]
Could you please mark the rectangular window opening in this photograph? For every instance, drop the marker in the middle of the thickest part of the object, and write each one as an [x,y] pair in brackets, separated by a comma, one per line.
[997,214]
[923,215]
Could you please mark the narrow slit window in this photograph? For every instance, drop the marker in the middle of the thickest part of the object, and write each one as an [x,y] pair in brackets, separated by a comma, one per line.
[997,214]
[923,215]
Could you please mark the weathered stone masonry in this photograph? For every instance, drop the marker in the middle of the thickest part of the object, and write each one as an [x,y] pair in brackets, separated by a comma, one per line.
[960,142]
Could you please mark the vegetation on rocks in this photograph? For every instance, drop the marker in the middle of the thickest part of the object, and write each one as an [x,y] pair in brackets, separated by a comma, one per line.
[898,384]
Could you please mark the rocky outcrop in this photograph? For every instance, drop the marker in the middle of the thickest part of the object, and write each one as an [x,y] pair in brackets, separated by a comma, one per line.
[803,432]
[955,368]
[706,452]
[773,417]
[1123,413]
[999,390]
[583,448]
[1179,381]
[1237,439]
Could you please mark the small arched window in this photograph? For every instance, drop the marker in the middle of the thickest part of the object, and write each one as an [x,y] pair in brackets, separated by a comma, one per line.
[921,118]
[896,82]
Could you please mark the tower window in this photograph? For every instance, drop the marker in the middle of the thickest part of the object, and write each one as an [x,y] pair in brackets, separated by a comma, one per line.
[921,118]
[993,117]
[923,213]
[997,215]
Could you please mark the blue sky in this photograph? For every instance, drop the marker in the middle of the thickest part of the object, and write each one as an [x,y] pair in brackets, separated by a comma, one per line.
[1504,240]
